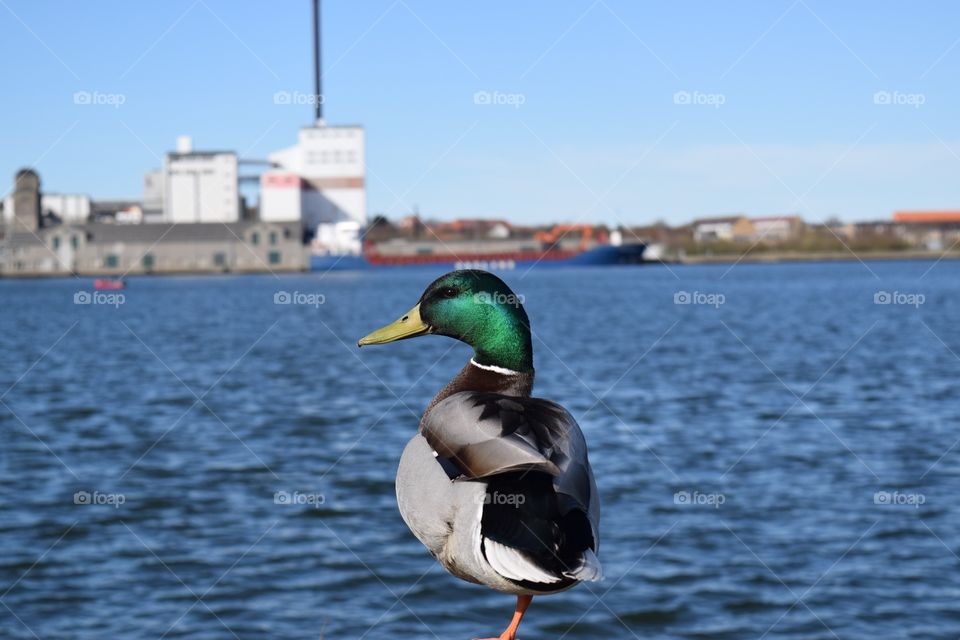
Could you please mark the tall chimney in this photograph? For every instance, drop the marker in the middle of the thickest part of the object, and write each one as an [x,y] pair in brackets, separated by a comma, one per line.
[317,93]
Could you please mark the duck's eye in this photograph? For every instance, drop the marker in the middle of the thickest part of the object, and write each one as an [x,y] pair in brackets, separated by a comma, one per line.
[448,292]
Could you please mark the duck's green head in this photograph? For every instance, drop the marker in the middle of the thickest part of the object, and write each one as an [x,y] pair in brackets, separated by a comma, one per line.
[475,307]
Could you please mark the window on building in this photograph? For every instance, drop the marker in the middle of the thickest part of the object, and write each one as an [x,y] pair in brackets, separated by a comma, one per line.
[75,241]
[111,260]
[148,261]
[273,237]
[275,257]
[220,259]
[56,242]
[254,238]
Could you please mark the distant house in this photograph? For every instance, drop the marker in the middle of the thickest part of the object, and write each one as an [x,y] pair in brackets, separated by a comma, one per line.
[475,226]
[776,228]
[834,229]
[412,226]
[932,230]
[936,218]
[471,228]
[722,229]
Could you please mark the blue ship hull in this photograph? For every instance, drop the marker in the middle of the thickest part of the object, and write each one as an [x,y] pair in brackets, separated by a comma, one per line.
[604,255]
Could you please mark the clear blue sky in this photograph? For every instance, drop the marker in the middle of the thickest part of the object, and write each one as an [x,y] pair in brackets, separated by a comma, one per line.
[599,135]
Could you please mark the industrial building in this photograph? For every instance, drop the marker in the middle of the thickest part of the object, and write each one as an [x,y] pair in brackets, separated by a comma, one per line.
[70,208]
[325,169]
[129,249]
[193,187]
[24,203]
[192,217]
[28,247]
[320,181]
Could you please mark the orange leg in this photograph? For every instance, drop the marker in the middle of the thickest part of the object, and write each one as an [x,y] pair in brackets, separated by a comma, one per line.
[511,633]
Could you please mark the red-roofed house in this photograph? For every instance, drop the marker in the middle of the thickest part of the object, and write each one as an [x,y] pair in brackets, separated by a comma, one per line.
[927,217]
[931,229]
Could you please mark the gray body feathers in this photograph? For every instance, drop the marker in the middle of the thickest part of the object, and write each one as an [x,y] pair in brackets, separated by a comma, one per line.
[499,489]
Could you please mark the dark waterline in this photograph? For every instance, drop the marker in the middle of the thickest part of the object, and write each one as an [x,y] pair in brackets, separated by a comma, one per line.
[739,446]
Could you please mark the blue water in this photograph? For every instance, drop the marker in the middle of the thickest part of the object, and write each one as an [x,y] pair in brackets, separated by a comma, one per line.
[739,448]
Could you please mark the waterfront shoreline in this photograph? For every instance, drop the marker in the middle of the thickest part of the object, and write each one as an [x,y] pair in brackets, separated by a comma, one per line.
[728,259]
[776,257]
[34,275]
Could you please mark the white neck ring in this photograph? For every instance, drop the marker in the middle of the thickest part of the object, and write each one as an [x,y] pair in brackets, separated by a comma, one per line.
[489,367]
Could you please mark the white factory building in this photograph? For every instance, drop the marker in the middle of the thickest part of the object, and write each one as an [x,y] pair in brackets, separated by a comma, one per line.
[321,181]
[200,186]
[193,186]
[70,208]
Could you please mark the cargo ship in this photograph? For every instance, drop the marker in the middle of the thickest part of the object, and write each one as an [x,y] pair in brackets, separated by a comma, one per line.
[562,246]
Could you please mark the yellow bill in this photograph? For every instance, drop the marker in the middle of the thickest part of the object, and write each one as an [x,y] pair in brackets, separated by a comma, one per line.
[409,326]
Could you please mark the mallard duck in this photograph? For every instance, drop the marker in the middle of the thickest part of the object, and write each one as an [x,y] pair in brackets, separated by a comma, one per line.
[495,483]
